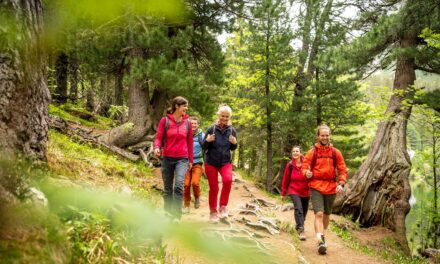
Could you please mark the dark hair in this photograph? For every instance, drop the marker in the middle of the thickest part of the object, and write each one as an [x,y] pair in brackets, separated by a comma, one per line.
[322,127]
[296,147]
[179,100]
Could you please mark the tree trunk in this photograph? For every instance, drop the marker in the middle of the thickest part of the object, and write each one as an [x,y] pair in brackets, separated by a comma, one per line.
[24,95]
[269,153]
[73,92]
[90,98]
[119,87]
[139,122]
[379,192]
[61,68]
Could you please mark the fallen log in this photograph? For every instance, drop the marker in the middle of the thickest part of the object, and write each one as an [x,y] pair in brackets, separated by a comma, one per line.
[73,129]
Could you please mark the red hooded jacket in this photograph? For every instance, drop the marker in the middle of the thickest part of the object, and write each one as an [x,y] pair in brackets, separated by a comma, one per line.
[295,183]
[178,140]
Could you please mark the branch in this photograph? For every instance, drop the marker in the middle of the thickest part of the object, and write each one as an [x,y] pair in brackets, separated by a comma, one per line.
[436,71]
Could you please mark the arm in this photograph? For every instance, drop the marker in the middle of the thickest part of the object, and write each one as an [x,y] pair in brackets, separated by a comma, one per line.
[286,180]
[234,146]
[159,134]
[342,168]
[190,144]
[307,162]
[205,143]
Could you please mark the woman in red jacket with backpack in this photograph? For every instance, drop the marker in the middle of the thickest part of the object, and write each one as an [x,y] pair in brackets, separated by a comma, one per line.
[297,187]
[174,143]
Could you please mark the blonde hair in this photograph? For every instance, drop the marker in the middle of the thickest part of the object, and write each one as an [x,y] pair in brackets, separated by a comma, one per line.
[224,108]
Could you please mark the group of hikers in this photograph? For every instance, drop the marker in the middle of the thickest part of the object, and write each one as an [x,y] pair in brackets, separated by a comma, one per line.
[186,152]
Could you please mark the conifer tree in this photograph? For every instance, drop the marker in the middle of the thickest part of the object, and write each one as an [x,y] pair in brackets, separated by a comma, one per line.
[378,193]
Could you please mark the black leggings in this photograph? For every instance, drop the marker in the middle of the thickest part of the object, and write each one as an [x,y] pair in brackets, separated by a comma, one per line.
[301,205]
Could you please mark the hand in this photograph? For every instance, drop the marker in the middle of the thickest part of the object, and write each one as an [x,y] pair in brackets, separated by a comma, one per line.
[283,198]
[339,188]
[232,139]
[309,174]
[190,165]
[210,137]
[157,152]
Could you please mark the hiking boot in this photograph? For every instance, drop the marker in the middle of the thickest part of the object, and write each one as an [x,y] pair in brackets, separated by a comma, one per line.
[213,218]
[322,248]
[185,210]
[223,212]
[197,203]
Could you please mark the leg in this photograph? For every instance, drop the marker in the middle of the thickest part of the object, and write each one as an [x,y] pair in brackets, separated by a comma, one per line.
[211,174]
[319,222]
[318,208]
[299,216]
[187,189]
[195,179]
[328,206]
[305,205]
[181,169]
[226,173]
[167,170]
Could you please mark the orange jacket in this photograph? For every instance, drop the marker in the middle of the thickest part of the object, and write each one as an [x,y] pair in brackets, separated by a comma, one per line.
[323,179]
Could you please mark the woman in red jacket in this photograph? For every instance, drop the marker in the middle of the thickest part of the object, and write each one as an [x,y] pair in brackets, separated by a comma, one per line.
[297,187]
[174,142]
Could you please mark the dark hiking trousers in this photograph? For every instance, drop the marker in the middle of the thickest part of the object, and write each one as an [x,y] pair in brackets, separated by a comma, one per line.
[301,205]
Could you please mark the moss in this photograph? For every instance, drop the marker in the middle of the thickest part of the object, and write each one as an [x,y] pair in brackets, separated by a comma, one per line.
[85,163]
[65,111]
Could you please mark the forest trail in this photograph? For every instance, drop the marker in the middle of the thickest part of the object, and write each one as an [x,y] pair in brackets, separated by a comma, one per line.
[281,247]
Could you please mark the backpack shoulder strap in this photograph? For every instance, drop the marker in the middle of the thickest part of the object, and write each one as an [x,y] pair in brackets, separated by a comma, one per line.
[164,136]
[314,158]
[290,168]
[199,138]
[334,157]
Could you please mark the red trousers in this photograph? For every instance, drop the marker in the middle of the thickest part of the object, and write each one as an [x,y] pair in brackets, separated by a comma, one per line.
[212,174]
[192,178]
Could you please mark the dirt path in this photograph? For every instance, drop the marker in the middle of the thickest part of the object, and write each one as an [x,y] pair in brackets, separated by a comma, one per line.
[283,247]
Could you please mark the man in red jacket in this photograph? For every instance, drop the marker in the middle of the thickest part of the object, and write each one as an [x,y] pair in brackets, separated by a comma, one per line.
[320,166]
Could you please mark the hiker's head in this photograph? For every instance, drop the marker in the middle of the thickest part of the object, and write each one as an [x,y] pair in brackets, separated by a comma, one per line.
[195,123]
[323,135]
[224,114]
[296,152]
[179,104]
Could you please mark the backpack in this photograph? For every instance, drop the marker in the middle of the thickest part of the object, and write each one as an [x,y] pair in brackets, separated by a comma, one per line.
[315,157]
[167,121]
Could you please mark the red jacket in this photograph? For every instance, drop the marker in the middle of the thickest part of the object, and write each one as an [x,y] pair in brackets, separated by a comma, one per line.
[295,183]
[178,140]
[323,179]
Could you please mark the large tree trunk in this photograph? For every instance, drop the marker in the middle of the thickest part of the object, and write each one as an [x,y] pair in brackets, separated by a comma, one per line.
[23,90]
[139,122]
[379,192]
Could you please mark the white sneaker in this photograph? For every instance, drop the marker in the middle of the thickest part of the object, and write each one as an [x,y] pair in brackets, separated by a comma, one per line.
[223,212]
[213,218]
[185,210]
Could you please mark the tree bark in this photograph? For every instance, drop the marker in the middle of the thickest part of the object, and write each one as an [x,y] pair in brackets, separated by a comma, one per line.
[24,95]
[73,92]
[139,122]
[379,192]
[119,87]
[61,69]
[269,152]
